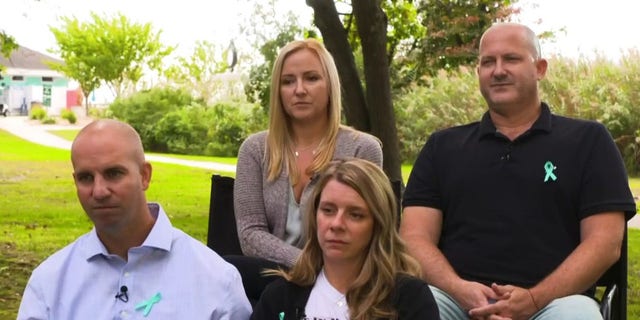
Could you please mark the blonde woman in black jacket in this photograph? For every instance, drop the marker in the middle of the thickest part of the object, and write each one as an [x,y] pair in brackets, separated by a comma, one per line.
[353,265]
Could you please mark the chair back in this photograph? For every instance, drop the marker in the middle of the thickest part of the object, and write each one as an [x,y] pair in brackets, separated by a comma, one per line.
[222,235]
[613,304]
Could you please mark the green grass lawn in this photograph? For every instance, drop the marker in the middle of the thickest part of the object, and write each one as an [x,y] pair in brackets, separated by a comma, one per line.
[40,213]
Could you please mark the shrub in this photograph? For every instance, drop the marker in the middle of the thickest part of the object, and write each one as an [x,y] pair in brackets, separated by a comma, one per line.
[48,120]
[145,109]
[69,116]
[448,99]
[38,113]
[217,130]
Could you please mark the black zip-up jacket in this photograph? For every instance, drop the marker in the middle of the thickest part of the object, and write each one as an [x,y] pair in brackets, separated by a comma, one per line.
[412,299]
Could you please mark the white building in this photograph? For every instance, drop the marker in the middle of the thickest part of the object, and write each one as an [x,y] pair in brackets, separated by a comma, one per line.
[28,80]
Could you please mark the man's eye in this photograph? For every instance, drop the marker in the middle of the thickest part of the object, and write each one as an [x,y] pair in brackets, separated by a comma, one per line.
[487,62]
[84,178]
[112,174]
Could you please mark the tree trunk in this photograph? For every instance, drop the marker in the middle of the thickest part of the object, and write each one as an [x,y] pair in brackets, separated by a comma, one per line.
[86,102]
[335,39]
[371,23]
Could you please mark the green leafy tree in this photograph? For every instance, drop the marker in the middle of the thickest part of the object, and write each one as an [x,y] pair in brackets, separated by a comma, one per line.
[7,45]
[201,72]
[454,30]
[113,51]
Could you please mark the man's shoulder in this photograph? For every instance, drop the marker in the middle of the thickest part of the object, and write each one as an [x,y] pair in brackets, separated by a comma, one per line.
[577,121]
[457,131]
[54,264]
[576,125]
[192,250]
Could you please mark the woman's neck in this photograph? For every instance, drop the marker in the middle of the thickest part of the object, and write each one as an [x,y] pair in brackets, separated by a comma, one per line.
[309,135]
[341,276]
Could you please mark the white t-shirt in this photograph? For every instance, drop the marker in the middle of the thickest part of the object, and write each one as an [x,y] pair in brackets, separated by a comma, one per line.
[325,302]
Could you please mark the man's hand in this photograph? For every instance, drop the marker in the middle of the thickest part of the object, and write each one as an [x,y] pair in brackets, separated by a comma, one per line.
[513,303]
[472,295]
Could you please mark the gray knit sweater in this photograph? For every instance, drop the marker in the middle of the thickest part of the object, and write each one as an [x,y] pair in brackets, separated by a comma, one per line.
[261,205]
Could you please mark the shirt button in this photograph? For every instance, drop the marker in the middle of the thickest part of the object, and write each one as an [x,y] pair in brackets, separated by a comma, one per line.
[124,314]
[126,274]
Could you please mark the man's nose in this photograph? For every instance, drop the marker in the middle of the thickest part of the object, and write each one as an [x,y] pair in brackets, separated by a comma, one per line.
[100,188]
[499,69]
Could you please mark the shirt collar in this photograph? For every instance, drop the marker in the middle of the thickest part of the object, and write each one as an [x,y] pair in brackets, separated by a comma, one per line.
[543,123]
[160,236]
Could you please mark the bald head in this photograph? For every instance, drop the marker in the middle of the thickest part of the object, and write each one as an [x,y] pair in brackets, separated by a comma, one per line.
[525,33]
[103,131]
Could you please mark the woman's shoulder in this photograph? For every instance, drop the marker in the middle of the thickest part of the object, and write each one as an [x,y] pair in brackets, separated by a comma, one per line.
[260,136]
[353,136]
[282,287]
[255,141]
[409,285]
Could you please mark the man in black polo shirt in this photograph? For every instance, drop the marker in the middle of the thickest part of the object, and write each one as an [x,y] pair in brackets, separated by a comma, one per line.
[519,214]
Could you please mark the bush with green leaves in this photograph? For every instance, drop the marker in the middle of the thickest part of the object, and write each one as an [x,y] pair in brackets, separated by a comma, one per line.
[145,109]
[232,123]
[38,113]
[448,99]
[69,116]
[48,120]
[216,130]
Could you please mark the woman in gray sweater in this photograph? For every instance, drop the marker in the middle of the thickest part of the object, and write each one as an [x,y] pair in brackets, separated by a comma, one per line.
[276,168]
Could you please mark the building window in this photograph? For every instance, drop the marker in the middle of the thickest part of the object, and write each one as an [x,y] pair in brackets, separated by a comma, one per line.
[47,79]
[17,78]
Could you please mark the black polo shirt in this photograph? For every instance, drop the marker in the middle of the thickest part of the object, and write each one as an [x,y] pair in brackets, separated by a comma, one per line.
[512,209]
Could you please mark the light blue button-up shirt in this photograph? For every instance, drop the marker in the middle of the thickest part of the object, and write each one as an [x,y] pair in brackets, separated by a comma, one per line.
[81,280]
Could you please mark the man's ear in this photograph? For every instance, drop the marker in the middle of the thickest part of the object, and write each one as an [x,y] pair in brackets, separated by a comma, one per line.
[541,67]
[145,172]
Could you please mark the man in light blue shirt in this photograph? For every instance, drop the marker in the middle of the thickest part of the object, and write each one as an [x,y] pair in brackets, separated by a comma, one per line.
[133,264]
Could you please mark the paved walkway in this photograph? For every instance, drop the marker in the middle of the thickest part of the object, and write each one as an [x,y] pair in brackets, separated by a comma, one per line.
[38,133]
[35,132]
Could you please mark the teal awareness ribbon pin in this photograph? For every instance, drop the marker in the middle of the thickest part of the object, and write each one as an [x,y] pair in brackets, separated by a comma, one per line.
[148,304]
[548,169]
[281,316]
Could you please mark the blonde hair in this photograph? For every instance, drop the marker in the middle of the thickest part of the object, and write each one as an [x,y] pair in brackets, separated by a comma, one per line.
[370,295]
[279,150]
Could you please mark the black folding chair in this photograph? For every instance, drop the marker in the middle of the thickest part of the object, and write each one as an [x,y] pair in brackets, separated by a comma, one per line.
[222,235]
[613,304]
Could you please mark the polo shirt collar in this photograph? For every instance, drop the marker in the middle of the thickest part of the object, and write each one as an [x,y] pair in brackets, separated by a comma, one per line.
[160,236]
[543,123]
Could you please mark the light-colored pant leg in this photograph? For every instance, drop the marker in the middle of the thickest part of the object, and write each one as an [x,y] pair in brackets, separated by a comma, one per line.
[449,308]
[575,307]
